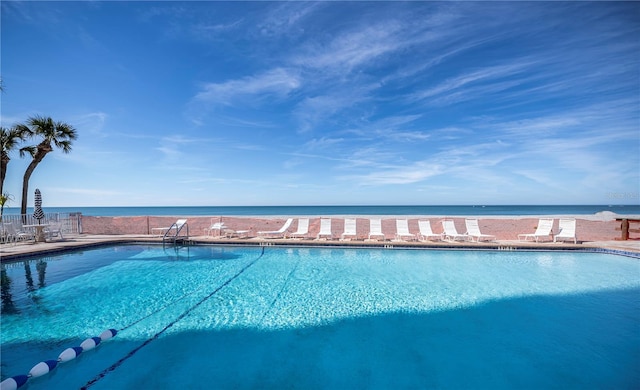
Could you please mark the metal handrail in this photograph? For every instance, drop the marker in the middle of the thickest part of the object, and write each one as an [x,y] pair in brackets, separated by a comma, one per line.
[178,230]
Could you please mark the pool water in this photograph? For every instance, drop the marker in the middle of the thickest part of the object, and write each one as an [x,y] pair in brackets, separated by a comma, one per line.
[312,318]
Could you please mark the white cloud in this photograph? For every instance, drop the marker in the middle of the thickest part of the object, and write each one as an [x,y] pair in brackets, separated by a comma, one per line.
[169,152]
[322,143]
[487,74]
[356,48]
[92,122]
[286,17]
[279,82]
[340,99]
[413,173]
[209,30]
[86,191]
[314,109]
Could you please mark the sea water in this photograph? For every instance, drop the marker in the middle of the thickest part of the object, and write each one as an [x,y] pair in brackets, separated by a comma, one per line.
[216,317]
[342,210]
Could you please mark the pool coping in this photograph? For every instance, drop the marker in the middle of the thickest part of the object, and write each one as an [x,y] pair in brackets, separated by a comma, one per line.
[10,253]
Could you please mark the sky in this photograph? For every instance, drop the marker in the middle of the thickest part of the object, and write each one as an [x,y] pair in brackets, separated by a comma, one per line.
[327,103]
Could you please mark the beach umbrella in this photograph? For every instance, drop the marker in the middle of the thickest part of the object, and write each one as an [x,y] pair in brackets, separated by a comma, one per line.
[37,212]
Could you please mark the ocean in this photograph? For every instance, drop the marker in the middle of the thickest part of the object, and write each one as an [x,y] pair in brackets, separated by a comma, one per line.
[341,210]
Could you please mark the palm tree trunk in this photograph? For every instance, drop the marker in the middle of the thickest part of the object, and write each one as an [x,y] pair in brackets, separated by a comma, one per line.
[42,151]
[3,170]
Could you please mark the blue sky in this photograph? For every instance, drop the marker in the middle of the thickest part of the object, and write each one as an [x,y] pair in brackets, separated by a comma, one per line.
[293,103]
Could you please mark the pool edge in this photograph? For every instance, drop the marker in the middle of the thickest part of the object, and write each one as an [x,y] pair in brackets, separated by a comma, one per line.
[10,254]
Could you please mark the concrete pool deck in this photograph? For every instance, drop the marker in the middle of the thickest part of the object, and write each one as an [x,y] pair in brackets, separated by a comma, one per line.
[601,231]
[12,252]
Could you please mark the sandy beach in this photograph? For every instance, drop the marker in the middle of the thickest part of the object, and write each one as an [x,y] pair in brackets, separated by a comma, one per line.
[601,230]
[597,227]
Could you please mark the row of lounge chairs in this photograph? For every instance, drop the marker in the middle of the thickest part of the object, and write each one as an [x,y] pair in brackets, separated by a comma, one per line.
[349,232]
[545,227]
[449,231]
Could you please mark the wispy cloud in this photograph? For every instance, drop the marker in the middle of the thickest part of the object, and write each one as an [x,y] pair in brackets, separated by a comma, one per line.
[252,147]
[485,75]
[396,128]
[276,82]
[287,16]
[86,191]
[313,110]
[408,174]
[504,101]
[215,30]
[176,146]
[93,122]
[318,108]
[263,88]
[350,50]
[323,143]
[31,14]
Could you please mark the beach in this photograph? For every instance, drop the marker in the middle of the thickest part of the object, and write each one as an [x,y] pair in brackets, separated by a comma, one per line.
[600,231]
[596,227]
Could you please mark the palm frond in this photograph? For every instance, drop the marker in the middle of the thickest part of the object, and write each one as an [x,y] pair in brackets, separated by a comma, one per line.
[9,138]
[30,150]
[59,133]
[64,145]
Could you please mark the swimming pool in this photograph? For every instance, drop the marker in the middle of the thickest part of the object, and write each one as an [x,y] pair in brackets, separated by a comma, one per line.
[255,317]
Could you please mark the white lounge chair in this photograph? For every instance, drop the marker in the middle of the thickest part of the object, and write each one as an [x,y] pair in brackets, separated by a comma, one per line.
[15,234]
[426,232]
[543,230]
[473,231]
[177,225]
[277,233]
[449,231]
[402,230]
[567,230]
[303,228]
[375,228]
[53,230]
[349,228]
[231,233]
[325,228]
[216,225]
[4,233]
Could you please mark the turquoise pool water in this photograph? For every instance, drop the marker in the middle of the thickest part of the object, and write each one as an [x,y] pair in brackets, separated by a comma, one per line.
[311,318]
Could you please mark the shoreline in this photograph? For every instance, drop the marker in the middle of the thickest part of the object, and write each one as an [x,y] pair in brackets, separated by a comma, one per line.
[602,216]
[412,211]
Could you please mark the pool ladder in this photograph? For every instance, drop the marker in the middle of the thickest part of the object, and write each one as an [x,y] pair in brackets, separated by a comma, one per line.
[175,238]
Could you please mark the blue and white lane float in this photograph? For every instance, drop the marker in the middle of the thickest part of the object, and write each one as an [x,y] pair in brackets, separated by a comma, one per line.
[47,366]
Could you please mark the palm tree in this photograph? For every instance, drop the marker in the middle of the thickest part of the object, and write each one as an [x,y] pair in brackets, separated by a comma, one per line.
[4,200]
[10,138]
[58,133]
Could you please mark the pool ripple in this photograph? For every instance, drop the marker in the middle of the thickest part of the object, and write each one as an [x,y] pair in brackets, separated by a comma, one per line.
[384,300]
